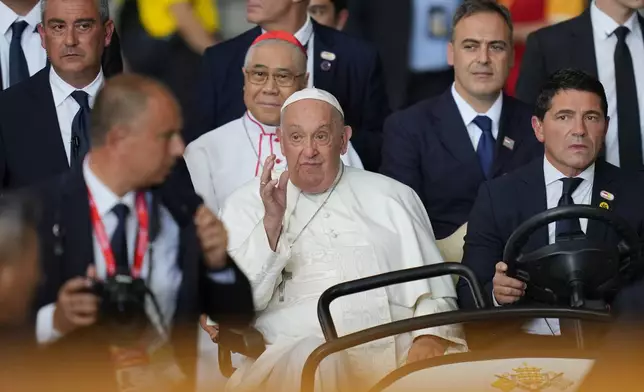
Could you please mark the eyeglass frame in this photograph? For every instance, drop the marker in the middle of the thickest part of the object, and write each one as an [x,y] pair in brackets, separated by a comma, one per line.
[293,77]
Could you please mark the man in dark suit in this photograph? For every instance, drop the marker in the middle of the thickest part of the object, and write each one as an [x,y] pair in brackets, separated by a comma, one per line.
[570,120]
[24,52]
[606,41]
[92,215]
[412,37]
[345,66]
[44,120]
[445,147]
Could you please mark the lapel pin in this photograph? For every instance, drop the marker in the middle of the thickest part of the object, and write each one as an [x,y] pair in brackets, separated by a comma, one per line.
[327,55]
[508,143]
[325,65]
[604,205]
[607,195]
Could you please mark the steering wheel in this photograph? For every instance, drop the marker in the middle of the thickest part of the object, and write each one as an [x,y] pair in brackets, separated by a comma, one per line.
[573,269]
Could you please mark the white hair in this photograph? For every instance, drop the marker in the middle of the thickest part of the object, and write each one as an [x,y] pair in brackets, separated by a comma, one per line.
[103,9]
[299,58]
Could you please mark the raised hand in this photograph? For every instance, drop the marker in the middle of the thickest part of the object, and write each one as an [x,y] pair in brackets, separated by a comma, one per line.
[273,194]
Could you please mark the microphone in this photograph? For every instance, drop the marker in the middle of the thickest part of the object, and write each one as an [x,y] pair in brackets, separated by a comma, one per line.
[75,144]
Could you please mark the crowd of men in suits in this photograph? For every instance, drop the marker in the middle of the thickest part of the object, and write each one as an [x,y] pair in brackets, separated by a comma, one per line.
[472,154]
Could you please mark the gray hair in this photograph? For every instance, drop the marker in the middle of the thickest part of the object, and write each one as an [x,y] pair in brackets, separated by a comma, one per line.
[299,59]
[102,5]
[473,7]
[18,224]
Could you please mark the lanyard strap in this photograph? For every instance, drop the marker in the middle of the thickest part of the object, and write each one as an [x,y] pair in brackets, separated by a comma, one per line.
[104,243]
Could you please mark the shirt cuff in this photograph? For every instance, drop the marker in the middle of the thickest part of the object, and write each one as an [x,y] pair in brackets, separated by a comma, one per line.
[226,276]
[45,331]
[494,300]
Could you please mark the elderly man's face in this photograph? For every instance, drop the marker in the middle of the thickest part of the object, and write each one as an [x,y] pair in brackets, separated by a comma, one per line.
[74,37]
[273,74]
[572,131]
[154,142]
[313,138]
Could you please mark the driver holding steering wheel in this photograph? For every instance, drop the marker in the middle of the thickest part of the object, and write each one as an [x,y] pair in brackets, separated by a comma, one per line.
[570,120]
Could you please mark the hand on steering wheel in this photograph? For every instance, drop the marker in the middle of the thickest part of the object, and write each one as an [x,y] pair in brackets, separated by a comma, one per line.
[506,290]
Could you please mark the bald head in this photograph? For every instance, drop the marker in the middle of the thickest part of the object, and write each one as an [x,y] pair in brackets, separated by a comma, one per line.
[297,58]
[122,101]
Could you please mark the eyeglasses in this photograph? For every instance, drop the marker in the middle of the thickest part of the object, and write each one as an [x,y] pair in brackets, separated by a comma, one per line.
[282,79]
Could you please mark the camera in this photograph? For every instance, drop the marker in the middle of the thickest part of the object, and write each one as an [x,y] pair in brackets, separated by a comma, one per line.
[122,309]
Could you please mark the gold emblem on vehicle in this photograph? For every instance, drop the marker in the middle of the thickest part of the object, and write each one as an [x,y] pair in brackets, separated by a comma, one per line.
[530,378]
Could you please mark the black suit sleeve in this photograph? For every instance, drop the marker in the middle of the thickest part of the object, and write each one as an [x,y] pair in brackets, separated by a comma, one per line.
[400,153]
[533,71]
[201,118]
[483,247]
[231,303]
[3,163]
[375,108]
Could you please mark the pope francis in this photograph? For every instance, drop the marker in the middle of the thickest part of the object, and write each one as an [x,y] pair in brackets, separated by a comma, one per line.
[321,223]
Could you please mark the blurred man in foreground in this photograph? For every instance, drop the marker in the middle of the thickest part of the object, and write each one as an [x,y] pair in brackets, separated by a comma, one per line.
[116,225]
[321,223]
[225,158]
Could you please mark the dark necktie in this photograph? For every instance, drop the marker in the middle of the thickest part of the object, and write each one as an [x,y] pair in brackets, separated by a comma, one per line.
[18,69]
[568,226]
[628,117]
[80,128]
[485,148]
[119,240]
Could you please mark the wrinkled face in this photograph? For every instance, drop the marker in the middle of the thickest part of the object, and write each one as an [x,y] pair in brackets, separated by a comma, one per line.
[18,281]
[153,143]
[267,11]
[572,131]
[481,53]
[74,36]
[271,77]
[313,138]
[631,4]
[323,11]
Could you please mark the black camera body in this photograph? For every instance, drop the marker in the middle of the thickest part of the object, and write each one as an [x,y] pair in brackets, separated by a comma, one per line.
[122,308]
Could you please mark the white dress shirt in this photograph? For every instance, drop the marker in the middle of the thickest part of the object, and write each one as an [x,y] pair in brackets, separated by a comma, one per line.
[166,275]
[305,36]
[66,105]
[469,114]
[554,189]
[605,42]
[31,43]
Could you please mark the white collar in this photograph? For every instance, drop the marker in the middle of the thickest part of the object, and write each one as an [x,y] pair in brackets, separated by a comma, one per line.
[103,196]
[304,33]
[469,114]
[8,17]
[61,89]
[551,174]
[252,124]
[604,26]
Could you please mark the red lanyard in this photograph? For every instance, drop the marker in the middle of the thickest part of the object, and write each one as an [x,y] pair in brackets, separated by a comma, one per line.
[104,243]
[261,137]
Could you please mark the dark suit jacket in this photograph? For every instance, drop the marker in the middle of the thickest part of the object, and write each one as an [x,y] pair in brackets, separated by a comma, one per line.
[65,203]
[112,61]
[567,44]
[504,203]
[354,78]
[428,148]
[386,24]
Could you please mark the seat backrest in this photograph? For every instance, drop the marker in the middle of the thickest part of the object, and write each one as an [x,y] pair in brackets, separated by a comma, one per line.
[451,248]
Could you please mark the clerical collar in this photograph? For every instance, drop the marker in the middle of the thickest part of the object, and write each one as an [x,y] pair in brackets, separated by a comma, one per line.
[256,125]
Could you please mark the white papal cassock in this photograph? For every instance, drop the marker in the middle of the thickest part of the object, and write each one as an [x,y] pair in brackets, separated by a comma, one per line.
[365,225]
[223,159]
